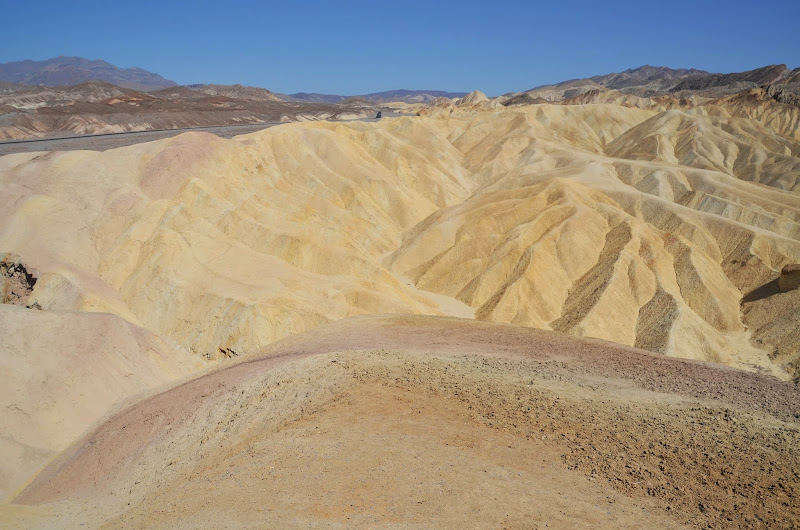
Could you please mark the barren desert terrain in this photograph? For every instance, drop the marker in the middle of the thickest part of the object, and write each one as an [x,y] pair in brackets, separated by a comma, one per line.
[395,421]
[95,107]
[584,320]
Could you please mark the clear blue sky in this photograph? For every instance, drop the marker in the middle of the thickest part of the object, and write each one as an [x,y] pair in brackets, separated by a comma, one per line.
[353,47]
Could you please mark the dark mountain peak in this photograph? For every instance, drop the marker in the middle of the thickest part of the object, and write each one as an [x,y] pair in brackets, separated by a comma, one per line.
[643,75]
[649,81]
[63,70]
[765,75]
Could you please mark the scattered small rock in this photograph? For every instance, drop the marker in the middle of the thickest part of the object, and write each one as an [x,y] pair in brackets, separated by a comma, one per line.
[221,353]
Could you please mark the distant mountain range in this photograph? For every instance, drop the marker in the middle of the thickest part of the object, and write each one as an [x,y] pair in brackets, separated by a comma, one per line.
[645,81]
[649,81]
[313,97]
[635,77]
[61,71]
[75,70]
[408,96]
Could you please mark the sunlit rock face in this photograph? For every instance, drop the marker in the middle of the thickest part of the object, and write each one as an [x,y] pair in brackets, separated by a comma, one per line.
[642,224]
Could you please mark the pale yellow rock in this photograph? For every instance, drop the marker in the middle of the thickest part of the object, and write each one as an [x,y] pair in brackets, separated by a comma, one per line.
[625,221]
[61,371]
[474,98]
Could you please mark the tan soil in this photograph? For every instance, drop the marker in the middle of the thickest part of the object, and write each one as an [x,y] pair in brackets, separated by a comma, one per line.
[384,455]
[514,427]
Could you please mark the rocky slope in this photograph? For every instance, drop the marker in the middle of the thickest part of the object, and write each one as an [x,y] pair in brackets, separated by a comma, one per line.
[62,371]
[237,92]
[26,97]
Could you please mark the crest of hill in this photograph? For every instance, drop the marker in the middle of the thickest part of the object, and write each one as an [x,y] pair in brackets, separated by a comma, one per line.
[74,70]
[476,97]
[23,97]
[237,92]
[657,77]
[645,75]
[371,410]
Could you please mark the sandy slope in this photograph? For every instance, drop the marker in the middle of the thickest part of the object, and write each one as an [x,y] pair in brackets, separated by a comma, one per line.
[60,372]
[635,225]
[423,421]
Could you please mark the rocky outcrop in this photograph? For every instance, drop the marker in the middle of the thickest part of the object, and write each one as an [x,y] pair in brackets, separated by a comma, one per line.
[523,99]
[16,280]
[783,94]
[789,278]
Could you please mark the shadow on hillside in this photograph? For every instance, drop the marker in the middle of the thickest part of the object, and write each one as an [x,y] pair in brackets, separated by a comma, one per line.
[764,291]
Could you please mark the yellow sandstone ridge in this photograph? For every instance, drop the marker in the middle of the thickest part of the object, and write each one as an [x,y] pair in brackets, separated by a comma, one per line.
[633,224]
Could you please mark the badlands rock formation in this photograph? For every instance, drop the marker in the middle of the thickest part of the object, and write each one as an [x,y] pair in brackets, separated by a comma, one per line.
[95,107]
[644,227]
[658,224]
